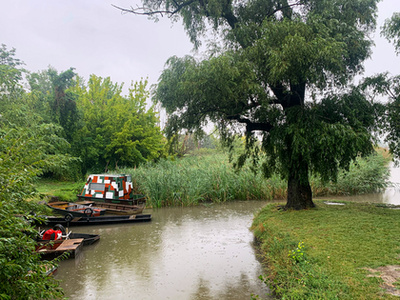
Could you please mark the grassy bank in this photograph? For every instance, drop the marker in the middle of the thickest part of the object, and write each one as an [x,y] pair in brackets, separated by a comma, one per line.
[64,190]
[324,253]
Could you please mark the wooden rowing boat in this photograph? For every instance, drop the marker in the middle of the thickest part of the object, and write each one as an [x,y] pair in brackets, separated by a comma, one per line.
[76,210]
[117,209]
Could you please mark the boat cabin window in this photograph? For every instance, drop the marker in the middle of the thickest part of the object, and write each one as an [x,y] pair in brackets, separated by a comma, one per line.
[97,186]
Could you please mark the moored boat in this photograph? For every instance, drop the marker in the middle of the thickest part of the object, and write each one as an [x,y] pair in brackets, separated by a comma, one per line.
[108,188]
[88,239]
[54,248]
[87,221]
[61,233]
[76,210]
[117,209]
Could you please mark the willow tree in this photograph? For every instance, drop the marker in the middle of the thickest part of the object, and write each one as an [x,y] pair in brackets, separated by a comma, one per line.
[281,74]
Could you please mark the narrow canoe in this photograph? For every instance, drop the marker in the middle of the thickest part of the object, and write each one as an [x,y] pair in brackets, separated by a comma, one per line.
[87,221]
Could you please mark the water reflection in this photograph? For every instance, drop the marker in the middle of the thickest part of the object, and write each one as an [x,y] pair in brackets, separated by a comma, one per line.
[184,253]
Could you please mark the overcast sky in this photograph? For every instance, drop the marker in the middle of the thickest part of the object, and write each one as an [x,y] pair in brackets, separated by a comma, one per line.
[95,38]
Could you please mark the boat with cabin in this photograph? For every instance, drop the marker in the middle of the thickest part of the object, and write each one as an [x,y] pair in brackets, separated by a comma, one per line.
[109,188]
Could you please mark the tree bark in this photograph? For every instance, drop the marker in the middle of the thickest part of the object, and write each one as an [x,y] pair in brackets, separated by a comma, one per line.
[299,195]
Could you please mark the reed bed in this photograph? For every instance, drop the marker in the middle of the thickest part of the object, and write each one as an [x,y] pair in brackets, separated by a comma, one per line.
[366,175]
[211,178]
[198,179]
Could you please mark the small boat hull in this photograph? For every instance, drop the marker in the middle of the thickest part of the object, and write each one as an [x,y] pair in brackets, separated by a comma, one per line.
[76,210]
[87,221]
[88,239]
[117,209]
[131,201]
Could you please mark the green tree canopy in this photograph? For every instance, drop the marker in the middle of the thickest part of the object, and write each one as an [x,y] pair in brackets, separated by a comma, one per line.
[391,30]
[117,130]
[51,99]
[389,86]
[283,77]
[28,147]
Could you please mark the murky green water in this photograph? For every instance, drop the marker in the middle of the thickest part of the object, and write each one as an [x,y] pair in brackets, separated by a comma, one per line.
[201,252]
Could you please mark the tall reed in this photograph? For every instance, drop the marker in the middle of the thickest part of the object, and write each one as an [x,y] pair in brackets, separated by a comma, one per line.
[365,175]
[196,179]
[211,178]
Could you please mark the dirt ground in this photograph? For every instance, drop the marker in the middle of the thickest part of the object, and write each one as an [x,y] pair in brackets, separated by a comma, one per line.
[389,275]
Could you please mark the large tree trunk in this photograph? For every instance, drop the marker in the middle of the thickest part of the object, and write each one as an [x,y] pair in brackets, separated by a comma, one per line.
[299,195]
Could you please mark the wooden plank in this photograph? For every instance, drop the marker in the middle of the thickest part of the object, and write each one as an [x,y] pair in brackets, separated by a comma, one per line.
[68,245]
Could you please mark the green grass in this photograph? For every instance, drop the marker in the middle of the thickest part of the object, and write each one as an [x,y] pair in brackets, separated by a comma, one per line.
[64,190]
[339,243]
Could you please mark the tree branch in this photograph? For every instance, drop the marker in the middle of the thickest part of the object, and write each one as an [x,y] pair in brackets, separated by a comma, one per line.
[288,6]
[251,126]
[145,11]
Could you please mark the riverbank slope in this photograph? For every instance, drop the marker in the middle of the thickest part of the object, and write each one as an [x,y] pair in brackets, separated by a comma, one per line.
[330,252]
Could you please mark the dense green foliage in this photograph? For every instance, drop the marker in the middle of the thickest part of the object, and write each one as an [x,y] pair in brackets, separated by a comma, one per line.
[196,179]
[388,85]
[283,74]
[389,125]
[324,253]
[28,147]
[115,130]
[209,177]
[58,129]
[93,122]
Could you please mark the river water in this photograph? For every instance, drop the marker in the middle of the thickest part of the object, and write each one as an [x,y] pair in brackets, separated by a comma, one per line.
[194,253]
[203,252]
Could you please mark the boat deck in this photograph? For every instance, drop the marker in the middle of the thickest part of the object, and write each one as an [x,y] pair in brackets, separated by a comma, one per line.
[70,245]
[51,249]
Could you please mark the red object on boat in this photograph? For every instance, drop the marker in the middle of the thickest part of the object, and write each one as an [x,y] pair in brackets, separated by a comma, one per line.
[52,234]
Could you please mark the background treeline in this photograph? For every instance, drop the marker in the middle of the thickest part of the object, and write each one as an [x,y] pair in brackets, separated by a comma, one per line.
[103,128]
[92,126]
